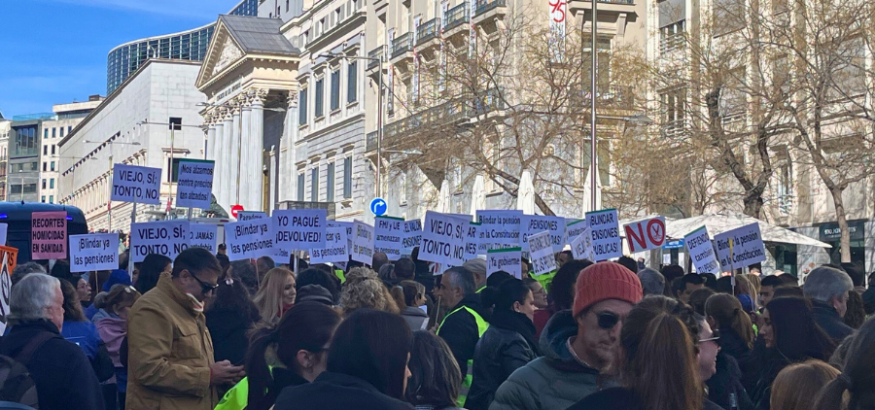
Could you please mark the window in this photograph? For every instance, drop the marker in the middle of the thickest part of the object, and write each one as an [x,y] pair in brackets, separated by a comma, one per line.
[45,168]
[301,187]
[277,11]
[604,61]
[53,149]
[352,82]
[54,132]
[52,168]
[347,177]
[320,94]
[51,199]
[69,128]
[673,109]
[335,90]
[302,107]
[61,132]
[46,134]
[173,169]
[43,199]
[52,183]
[329,183]
[314,184]
[287,5]
[672,37]
[30,188]
[45,150]
[44,184]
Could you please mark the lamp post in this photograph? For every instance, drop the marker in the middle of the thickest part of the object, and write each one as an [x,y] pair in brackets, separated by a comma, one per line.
[593,142]
[109,183]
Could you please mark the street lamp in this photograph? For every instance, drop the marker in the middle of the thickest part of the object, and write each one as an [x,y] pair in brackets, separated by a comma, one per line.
[109,185]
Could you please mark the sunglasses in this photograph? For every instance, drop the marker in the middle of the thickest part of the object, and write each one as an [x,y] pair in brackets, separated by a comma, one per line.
[715,336]
[607,320]
[205,287]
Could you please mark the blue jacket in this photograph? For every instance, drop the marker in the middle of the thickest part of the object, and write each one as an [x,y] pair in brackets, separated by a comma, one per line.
[84,335]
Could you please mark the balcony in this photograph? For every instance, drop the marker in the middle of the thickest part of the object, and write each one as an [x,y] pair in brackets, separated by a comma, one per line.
[672,43]
[486,5]
[427,31]
[488,15]
[374,57]
[619,6]
[457,16]
[371,141]
[402,45]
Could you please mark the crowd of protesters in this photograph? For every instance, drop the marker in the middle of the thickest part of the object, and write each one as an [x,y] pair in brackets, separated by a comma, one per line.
[200,332]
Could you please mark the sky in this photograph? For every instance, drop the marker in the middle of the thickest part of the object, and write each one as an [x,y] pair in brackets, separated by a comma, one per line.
[54,51]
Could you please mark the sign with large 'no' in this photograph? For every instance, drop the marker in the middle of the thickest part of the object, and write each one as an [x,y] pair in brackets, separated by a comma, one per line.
[646,235]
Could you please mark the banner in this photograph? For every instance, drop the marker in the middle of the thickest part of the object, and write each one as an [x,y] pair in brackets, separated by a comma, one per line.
[507,259]
[93,252]
[203,236]
[646,235]
[132,183]
[363,243]
[168,238]
[472,241]
[335,249]
[532,224]
[250,215]
[573,229]
[48,235]
[581,247]
[500,227]
[299,229]
[412,235]
[606,241]
[388,234]
[541,245]
[747,247]
[195,183]
[249,239]
[702,251]
[8,257]
[443,239]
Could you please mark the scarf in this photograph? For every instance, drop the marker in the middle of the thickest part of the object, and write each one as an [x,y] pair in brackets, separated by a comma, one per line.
[196,305]
[517,322]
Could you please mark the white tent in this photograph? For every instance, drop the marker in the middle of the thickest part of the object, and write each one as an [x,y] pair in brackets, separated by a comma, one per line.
[525,199]
[726,221]
[478,195]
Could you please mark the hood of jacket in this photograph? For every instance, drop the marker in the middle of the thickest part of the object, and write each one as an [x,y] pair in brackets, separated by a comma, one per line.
[554,342]
[413,311]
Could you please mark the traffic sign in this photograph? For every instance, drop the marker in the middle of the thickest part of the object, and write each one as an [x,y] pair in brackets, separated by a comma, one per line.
[235,209]
[379,206]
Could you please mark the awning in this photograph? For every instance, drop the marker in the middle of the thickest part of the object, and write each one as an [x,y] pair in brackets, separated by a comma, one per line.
[726,221]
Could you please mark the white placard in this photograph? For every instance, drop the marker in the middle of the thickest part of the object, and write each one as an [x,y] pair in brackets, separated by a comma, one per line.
[500,227]
[702,251]
[362,243]
[573,229]
[335,249]
[748,247]
[412,235]
[532,224]
[443,239]
[203,236]
[93,252]
[299,229]
[507,259]
[472,240]
[388,236]
[646,235]
[541,245]
[132,183]
[250,215]
[168,238]
[348,227]
[606,240]
[249,239]
[581,246]
[195,183]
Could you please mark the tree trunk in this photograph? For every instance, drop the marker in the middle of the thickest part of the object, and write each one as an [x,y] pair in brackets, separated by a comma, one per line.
[753,204]
[845,241]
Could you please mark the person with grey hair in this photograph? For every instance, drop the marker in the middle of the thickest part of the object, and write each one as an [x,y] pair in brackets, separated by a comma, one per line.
[828,290]
[61,372]
[652,281]
[25,269]
[477,267]
[464,324]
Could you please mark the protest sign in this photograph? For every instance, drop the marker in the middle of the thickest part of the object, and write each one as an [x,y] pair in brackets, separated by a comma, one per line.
[250,215]
[48,235]
[573,229]
[93,252]
[541,245]
[412,235]
[388,234]
[335,249]
[167,238]
[702,251]
[3,228]
[195,183]
[203,236]
[348,226]
[606,241]
[507,259]
[581,246]
[7,257]
[299,229]
[500,227]
[472,240]
[362,243]
[443,239]
[532,224]
[646,235]
[131,183]
[249,239]
[748,247]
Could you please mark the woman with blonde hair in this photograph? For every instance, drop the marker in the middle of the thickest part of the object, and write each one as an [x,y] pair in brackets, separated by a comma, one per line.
[366,292]
[275,296]
[798,385]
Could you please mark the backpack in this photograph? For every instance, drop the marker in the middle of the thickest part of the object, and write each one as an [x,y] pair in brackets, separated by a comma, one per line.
[16,385]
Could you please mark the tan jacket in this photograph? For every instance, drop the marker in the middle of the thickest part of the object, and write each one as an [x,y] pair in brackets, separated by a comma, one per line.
[170,353]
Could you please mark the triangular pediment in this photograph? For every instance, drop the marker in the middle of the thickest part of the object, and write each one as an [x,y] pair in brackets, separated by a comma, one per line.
[222,52]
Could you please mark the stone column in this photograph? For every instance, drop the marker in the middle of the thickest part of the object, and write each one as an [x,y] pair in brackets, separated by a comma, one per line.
[245,179]
[272,176]
[211,139]
[255,153]
[291,138]
[227,175]
[216,153]
[234,162]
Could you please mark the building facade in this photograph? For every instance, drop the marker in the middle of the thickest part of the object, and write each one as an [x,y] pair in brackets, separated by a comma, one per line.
[5,130]
[25,148]
[131,126]
[67,116]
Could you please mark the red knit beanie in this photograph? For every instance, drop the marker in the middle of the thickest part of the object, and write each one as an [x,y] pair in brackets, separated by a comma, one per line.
[603,281]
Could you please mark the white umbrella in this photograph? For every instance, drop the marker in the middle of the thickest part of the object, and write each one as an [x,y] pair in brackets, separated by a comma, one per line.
[478,195]
[444,200]
[726,221]
[525,198]
[587,193]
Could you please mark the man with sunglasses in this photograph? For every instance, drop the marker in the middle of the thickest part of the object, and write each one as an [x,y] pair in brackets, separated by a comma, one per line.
[579,346]
[170,363]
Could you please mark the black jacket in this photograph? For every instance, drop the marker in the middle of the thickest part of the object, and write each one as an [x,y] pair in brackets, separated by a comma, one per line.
[228,327]
[829,320]
[498,354]
[460,331]
[727,383]
[335,391]
[731,344]
[621,398]
[60,370]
